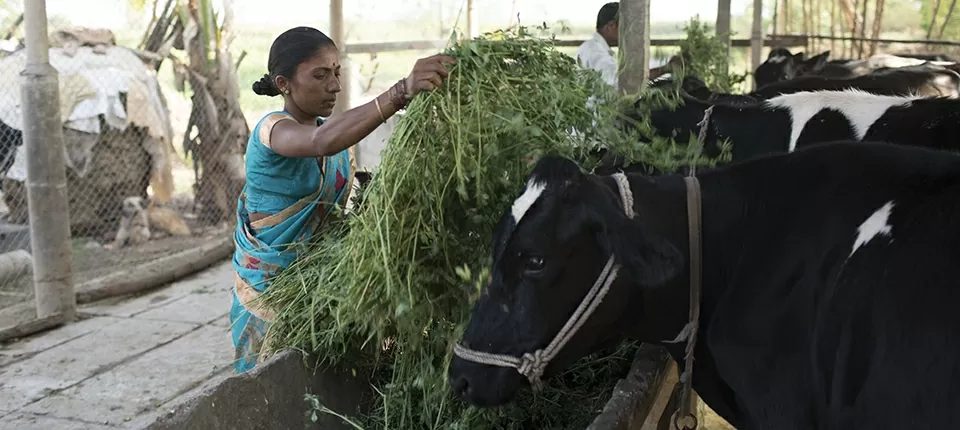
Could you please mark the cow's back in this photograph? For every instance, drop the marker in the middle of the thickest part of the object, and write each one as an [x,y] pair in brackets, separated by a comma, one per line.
[823,341]
[887,331]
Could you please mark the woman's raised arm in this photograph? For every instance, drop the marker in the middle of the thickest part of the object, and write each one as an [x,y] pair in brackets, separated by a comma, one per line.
[292,139]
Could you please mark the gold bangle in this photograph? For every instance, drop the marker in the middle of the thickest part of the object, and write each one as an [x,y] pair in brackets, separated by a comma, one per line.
[376,101]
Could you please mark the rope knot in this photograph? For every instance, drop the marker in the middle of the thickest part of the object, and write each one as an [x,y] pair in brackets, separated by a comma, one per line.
[532,366]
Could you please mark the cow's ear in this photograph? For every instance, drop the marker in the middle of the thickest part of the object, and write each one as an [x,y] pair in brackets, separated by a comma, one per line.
[644,255]
[816,63]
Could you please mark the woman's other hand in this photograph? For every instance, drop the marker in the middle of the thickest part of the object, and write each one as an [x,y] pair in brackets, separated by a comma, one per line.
[428,74]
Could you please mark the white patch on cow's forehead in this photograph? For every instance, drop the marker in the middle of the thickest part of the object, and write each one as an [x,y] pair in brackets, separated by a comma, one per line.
[530,195]
[860,107]
[878,223]
[776,59]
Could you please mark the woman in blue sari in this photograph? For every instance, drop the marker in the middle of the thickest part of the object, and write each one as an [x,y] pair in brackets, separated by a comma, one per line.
[299,166]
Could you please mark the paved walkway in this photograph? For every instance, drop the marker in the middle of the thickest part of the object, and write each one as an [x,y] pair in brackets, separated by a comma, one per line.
[126,362]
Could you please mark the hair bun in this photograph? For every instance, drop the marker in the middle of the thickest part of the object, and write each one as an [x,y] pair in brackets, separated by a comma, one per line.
[265,87]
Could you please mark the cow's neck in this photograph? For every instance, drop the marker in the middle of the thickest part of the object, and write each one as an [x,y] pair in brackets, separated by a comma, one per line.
[752,130]
[660,204]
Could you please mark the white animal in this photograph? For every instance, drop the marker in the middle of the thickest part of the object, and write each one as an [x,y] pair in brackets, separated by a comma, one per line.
[134,228]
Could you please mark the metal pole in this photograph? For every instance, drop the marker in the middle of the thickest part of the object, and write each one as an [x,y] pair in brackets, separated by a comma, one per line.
[338,35]
[756,39]
[634,70]
[46,172]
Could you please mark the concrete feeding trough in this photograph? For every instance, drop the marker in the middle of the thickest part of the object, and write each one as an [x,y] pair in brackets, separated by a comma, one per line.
[272,396]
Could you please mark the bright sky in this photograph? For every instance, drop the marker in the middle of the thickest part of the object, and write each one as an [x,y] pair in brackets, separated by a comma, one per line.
[112,13]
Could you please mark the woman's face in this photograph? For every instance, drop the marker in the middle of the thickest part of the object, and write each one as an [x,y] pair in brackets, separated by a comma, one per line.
[316,83]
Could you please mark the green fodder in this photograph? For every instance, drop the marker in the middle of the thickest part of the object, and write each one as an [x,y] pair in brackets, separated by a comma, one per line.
[706,59]
[396,278]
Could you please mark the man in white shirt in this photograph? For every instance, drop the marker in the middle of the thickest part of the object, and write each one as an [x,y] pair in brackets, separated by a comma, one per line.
[596,54]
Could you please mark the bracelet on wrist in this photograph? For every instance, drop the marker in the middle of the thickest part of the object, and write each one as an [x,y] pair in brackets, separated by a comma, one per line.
[398,94]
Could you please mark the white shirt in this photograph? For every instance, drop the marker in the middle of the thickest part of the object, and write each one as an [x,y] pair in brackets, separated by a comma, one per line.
[596,54]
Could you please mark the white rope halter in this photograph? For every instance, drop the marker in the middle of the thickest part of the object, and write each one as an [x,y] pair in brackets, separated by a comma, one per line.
[532,365]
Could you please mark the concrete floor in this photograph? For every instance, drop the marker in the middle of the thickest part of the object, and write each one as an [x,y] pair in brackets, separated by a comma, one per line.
[129,361]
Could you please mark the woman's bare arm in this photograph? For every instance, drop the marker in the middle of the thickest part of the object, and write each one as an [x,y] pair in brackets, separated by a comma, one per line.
[292,139]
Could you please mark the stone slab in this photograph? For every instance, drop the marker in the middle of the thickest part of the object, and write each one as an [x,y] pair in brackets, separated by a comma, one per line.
[25,421]
[28,346]
[171,405]
[58,368]
[223,321]
[268,397]
[144,383]
[199,307]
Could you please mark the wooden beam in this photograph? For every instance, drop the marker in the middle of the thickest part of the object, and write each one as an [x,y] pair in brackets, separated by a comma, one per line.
[472,27]
[427,45]
[338,35]
[634,69]
[756,39]
[723,24]
[888,41]
[634,397]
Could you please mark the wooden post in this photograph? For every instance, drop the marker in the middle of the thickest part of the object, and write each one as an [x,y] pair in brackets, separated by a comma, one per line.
[337,34]
[473,29]
[723,27]
[756,39]
[633,72]
[46,172]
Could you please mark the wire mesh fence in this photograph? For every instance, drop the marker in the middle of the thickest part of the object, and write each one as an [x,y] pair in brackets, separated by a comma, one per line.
[152,168]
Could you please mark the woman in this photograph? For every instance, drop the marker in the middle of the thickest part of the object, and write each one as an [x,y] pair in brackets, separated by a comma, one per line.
[299,166]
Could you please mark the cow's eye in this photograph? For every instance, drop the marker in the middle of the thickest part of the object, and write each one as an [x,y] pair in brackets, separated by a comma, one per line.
[534,264]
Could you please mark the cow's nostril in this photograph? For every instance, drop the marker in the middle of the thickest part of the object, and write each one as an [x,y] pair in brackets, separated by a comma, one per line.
[460,386]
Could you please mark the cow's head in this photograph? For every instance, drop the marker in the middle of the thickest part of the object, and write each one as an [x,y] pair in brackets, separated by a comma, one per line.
[781,65]
[548,250]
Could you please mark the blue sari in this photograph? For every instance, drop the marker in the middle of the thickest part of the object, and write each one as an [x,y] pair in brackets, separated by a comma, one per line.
[299,195]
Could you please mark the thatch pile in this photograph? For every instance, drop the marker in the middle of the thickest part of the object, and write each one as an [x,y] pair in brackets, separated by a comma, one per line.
[401,271]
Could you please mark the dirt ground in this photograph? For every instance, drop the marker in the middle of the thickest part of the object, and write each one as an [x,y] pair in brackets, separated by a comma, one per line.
[91,261]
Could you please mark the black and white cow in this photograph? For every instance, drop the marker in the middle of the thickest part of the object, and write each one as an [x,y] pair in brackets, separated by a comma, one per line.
[925,81]
[781,65]
[784,123]
[828,295]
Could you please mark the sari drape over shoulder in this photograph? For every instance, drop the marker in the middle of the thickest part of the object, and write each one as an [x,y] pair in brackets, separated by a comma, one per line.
[299,194]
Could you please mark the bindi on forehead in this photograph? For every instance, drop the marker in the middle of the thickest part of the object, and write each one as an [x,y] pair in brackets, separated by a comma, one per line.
[324,69]
[323,60]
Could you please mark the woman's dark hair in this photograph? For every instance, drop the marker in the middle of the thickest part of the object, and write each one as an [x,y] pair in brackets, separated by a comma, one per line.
[288,50]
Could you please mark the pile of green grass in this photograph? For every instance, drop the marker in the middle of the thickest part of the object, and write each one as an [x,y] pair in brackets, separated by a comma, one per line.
[396,277]
[706,58]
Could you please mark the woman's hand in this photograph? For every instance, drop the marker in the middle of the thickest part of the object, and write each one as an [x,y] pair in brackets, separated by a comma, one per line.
[428,74]
[675,62]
